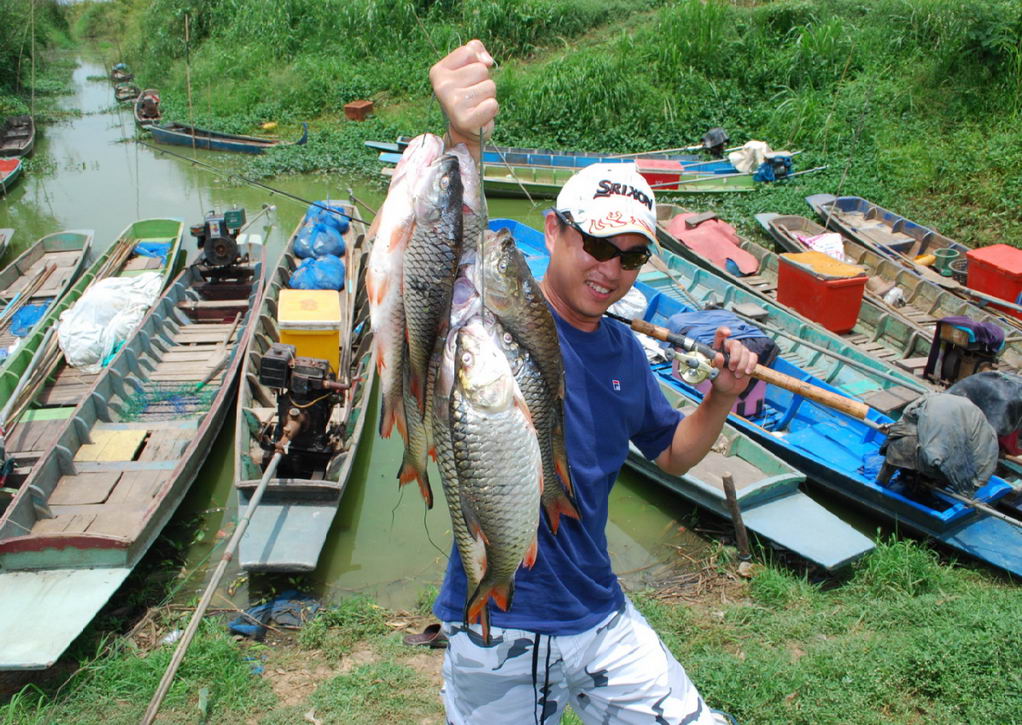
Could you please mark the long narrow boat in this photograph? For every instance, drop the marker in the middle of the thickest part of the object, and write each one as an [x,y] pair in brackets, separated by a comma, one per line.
[10,172]
[17,136]
[833,450]
[125,92]
[767,488]
[924,302]
[899,239]
[179,134]
[802,342]
[146,108]
[45,271]
[550,157]
[37,388]
[122,462]
[880,331]
[290,525]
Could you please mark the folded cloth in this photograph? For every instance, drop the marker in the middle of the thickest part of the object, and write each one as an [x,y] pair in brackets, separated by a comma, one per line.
[288,609]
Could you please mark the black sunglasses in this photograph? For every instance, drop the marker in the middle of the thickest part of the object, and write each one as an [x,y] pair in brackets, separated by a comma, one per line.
[601,250]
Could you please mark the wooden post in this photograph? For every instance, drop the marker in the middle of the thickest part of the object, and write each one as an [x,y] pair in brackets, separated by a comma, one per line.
[741,535]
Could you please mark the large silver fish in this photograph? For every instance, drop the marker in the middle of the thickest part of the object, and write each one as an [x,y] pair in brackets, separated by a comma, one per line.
[390,233]
[545,409]
[498,465]
[430,265]
[514,296]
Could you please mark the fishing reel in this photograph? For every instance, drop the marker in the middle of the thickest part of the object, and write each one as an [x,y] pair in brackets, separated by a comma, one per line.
[217,237]
[307,392]
[693,367]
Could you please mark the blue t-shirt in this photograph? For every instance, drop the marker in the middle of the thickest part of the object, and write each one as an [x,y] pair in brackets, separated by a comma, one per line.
[611,397]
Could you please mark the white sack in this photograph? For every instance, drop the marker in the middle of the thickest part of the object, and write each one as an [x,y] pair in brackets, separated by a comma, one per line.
[105,315]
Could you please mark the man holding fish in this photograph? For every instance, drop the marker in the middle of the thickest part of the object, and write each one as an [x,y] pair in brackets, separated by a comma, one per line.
[571,635]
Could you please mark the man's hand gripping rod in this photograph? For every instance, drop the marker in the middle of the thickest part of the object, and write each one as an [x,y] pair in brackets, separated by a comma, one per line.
[704,355]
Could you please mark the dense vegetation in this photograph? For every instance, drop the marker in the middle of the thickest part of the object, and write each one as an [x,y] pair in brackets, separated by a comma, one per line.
[20,79]
[912,103]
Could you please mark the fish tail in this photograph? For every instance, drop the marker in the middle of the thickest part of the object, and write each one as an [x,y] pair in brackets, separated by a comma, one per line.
[476,611]
[560,506]
[561,459]
[392,414]
[410,472]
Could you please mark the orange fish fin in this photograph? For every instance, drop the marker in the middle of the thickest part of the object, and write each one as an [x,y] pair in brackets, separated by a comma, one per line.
[475,527]
[531,553]
[560,506]
[502,594]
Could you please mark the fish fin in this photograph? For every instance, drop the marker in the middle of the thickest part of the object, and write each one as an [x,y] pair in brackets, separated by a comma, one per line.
[475,527]
[476,611]
[561,460]
[398,237]
[524,407]
[530,554]
[408,473]
[432,453]
[417,390]
[560,506]
[391,415]
[376,287]
[502,594]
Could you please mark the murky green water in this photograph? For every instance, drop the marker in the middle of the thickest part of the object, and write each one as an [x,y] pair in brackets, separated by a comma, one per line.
[90,173]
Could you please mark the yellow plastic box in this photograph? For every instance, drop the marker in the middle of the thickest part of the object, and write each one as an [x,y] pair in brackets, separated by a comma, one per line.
[311,321]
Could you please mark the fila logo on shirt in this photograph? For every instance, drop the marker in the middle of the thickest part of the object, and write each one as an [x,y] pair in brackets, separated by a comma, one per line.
[616,384]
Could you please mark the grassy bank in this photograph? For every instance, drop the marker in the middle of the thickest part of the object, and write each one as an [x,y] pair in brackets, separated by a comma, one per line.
[905,639]
[912,103]
[30,83]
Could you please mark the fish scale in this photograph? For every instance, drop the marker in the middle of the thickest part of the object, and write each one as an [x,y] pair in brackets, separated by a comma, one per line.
[430,265]
[498,463]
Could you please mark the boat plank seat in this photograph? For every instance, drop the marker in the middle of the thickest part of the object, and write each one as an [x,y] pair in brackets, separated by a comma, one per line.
[188,379]
[914,365]
[112,445]
[889,400]
[138,486]
[179,424]
[68,388]
[83,488]
[239,305]
[189,354]
[714,465]
[63,524]
[140,263]
[121,520]
[166,444]
[33,436]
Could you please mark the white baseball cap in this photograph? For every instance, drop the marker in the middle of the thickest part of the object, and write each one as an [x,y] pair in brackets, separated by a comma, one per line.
[610,199]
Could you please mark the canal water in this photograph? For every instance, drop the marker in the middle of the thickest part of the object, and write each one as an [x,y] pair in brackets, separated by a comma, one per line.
[90,172]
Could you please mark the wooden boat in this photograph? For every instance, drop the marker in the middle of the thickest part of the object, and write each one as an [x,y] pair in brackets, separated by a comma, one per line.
[10,172]
[544,182]
[902,240]
[179,134]
[831,449]
[520,155]
[122,462]
[880,331]
[125,92]
[38,390]
[120,74]
[147,108]
[17,136]
[767,488]
[924,301]
[40,276]
[290,525]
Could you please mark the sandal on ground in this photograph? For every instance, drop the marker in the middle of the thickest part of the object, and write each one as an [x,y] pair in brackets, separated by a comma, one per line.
[431,637]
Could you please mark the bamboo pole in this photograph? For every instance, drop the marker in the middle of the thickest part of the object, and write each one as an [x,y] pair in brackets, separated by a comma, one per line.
[207,596]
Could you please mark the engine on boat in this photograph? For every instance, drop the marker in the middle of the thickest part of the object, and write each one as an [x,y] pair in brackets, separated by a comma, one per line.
[307,392]
[217,237]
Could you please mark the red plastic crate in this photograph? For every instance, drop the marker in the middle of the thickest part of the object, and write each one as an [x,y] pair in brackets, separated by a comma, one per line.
[834,303]
[997,270]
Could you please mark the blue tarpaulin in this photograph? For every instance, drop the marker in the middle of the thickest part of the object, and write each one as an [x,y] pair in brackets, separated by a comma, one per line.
[25,318]
[153,249]
[291,608]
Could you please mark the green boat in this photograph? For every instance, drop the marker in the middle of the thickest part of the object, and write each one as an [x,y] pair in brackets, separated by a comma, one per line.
[124,459]
[40,276]
[38,390]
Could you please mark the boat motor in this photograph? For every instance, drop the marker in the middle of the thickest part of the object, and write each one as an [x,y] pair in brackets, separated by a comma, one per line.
[307,392]
[217,237]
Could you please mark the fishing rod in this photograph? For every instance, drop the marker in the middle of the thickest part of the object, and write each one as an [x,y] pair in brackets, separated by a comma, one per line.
[251,182]
[852,408]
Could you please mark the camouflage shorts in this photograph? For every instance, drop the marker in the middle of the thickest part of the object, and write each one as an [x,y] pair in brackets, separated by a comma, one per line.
[616,672]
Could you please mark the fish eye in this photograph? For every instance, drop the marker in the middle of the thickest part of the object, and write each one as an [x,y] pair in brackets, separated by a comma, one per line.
[508,339]
[502,265]
[466,358]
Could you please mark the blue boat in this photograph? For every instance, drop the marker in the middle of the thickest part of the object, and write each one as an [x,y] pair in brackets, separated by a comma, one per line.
[835,451]
[524,157]
[767,488]
[178,134]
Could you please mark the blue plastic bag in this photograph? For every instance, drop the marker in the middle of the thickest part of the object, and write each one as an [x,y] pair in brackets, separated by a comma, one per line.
[26,317]
[336,218]
[153,249]
[317,240]
[326,272]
